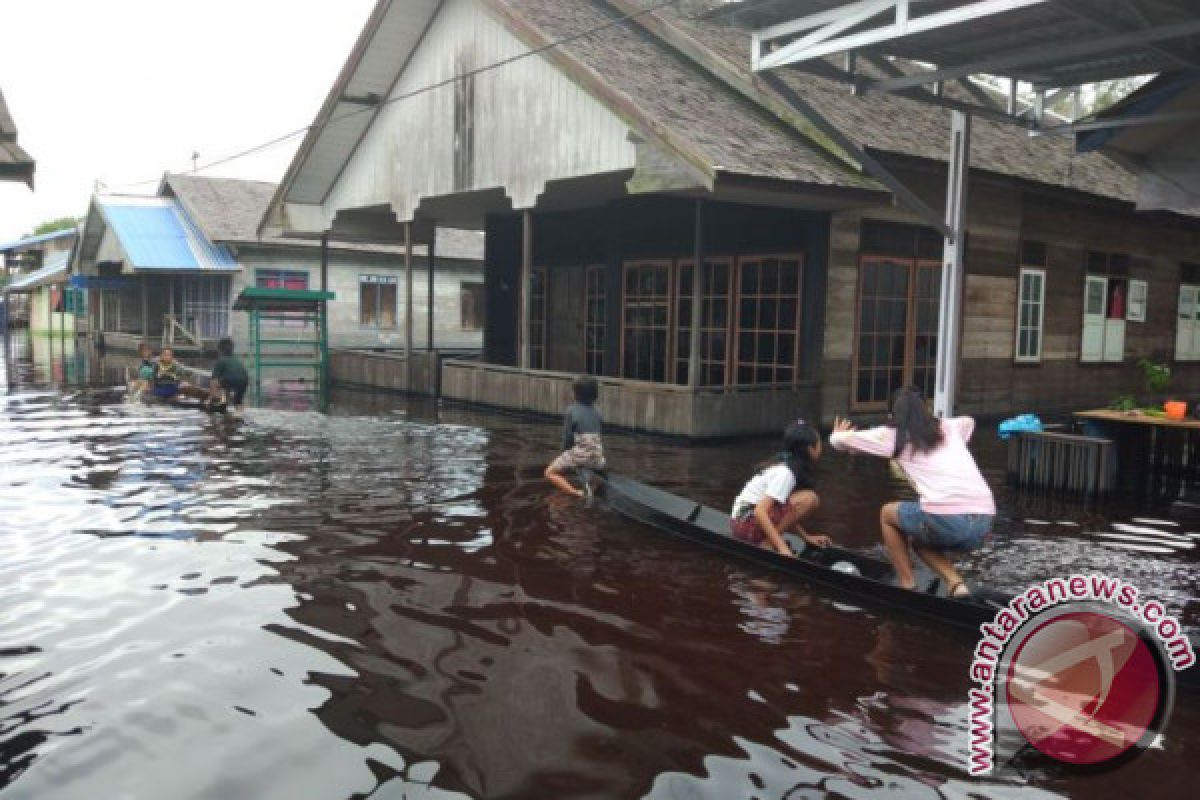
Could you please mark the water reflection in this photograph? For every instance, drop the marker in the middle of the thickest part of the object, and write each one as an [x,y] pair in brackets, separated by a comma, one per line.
[385,602]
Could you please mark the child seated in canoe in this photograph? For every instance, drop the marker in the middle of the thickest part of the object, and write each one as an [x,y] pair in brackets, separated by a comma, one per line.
[956,507]
[781,495]
[168,379]
[229,380]
[581,444]
[144,376]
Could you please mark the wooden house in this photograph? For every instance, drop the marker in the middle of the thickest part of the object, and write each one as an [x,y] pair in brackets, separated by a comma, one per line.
[37,295]
[168,267]
[15,163]
[605,156]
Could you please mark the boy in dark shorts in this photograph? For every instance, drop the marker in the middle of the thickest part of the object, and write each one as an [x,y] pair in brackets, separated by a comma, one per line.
[229,378]
[581,445]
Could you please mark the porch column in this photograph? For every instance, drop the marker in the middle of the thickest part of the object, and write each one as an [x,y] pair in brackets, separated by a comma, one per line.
[145,310]
[525,307]
[953,250]
[408,302]
[325,261]
[697,297]
[429,297]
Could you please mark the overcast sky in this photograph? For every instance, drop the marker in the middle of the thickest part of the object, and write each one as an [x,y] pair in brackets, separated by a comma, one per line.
[122,90]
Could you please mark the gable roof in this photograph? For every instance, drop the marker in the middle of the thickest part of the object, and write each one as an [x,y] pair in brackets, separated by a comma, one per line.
[889,123]
[15,163]
[155,233]
[679,99]
[32,241]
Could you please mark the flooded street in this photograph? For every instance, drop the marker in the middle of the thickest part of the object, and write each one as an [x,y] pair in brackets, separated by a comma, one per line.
[385,602]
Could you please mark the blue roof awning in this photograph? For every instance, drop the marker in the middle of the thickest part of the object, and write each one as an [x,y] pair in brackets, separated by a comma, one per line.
[92,282]
[29,241]
[54,271]
[156,234]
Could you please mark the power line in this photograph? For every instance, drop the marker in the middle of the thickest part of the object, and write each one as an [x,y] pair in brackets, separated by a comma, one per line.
[278,140]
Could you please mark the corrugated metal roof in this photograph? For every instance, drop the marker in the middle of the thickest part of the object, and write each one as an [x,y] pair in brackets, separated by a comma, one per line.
[156,234]
[29,241]
[54,271]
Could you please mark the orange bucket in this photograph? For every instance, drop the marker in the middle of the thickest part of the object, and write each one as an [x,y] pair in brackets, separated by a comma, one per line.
[1176,410]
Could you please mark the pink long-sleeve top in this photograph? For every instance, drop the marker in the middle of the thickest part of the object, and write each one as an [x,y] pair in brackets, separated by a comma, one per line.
[947,479]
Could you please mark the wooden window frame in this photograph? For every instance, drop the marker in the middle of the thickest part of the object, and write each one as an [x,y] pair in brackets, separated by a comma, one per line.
[669,328]
[594,358]
[537,344]
[1040,327]
[907,366]
[1194,288]
[375,280]
[736,329]
[478,294]
[681,325]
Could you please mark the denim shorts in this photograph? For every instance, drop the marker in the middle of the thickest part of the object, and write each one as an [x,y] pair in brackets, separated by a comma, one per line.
[948,532]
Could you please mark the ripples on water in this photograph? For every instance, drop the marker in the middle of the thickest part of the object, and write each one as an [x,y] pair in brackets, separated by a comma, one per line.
[373,603]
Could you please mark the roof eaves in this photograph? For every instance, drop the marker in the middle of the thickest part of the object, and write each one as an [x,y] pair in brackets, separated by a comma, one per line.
[329,106]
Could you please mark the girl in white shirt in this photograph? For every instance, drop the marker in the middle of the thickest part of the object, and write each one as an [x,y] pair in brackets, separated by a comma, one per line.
[781,495]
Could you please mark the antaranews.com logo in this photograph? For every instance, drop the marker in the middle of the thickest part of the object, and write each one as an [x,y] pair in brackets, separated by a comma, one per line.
[1079,669]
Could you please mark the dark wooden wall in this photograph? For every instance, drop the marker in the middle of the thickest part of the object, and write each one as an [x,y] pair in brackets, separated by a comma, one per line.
[642,227]
[1002,214]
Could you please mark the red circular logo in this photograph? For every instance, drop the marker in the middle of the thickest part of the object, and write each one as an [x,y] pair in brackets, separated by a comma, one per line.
[1084,688]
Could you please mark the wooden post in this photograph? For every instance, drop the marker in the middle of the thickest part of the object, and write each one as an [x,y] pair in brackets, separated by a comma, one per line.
[408,304]
[429,290]
[697,298]
[145,310]
[525,305]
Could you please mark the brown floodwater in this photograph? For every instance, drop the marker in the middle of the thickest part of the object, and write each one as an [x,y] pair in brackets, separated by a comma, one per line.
[384,601]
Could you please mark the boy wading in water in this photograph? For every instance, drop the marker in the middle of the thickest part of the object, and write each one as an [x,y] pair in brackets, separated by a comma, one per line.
[582,448]
[229,379]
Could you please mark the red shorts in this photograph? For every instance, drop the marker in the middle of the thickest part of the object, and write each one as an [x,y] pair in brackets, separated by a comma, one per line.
[747,529]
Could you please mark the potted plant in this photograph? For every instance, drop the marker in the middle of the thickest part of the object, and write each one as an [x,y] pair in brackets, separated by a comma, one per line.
[1158,382]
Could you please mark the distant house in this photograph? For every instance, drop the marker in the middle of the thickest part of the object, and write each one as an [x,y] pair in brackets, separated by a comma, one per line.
[606,165]
[168,268]
[15,163]
[39,297]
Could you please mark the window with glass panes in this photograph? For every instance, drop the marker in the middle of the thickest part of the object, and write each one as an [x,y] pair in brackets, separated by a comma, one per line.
[646,320]
[377,301]
[766,340]
[283,279]
[1031,307]
[594,326]
[714,321]
[537,319]
[470,305]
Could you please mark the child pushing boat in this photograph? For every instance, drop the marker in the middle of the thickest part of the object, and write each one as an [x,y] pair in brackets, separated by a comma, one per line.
[956,508]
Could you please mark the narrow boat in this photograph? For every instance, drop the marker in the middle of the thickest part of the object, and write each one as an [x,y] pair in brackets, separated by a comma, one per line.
[870,580]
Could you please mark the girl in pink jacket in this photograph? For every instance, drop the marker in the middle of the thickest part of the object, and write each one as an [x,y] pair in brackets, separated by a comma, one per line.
[956,508]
